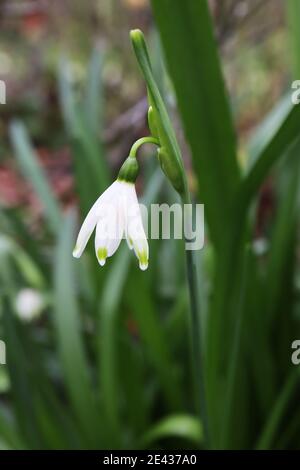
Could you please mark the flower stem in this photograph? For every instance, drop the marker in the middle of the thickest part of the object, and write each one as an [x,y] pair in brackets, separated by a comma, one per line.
[142,141]
[196,331]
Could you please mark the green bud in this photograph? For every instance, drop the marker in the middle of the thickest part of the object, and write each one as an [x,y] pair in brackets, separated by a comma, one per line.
[152,123]
[129,170]
[171,169]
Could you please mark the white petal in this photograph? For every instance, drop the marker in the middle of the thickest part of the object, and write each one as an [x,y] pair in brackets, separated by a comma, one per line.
[92,219]
[135,233]
[109,230]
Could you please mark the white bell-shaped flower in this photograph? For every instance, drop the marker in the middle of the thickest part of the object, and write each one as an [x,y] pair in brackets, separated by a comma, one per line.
[115,214]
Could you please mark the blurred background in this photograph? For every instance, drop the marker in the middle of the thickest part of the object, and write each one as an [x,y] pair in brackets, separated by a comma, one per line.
[37,36]
[99,358]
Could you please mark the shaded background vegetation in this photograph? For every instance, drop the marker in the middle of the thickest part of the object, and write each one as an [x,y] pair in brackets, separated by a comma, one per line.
[99,358]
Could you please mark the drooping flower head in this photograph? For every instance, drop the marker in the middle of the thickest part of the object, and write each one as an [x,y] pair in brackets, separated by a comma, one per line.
[116,214]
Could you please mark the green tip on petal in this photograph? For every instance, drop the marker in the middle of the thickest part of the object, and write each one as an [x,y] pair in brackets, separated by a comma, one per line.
[143,259]
[102,255]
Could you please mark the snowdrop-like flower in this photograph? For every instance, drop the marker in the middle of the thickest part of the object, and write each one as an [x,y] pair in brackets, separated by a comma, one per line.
[116,214]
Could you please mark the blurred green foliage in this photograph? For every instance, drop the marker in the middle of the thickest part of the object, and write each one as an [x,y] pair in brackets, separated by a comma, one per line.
[105,364]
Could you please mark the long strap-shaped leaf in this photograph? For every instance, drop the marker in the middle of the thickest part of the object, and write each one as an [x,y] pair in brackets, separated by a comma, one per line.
[34,173]
[191,54]
[292,12]
[283,136]
[69,337]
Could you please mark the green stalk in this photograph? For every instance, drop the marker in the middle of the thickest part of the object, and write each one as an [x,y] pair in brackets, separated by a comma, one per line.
[196,332]
[234,353]
[195,320]
[171,162]
[142,141]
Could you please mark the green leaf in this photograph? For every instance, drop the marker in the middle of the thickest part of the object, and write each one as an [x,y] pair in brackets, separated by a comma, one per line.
[226,288]
[293,11]
[11,222]
[175,426]
[133,375]
[271,426]
[109,312]
[284,232]
[282,137]
[107,340]
[89,159]
[94,92]
[191,54]
[33,172]
[21,379]
[266,129]
[155,340]
[9,433]
[69,336]
[67,99]
[27,267]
